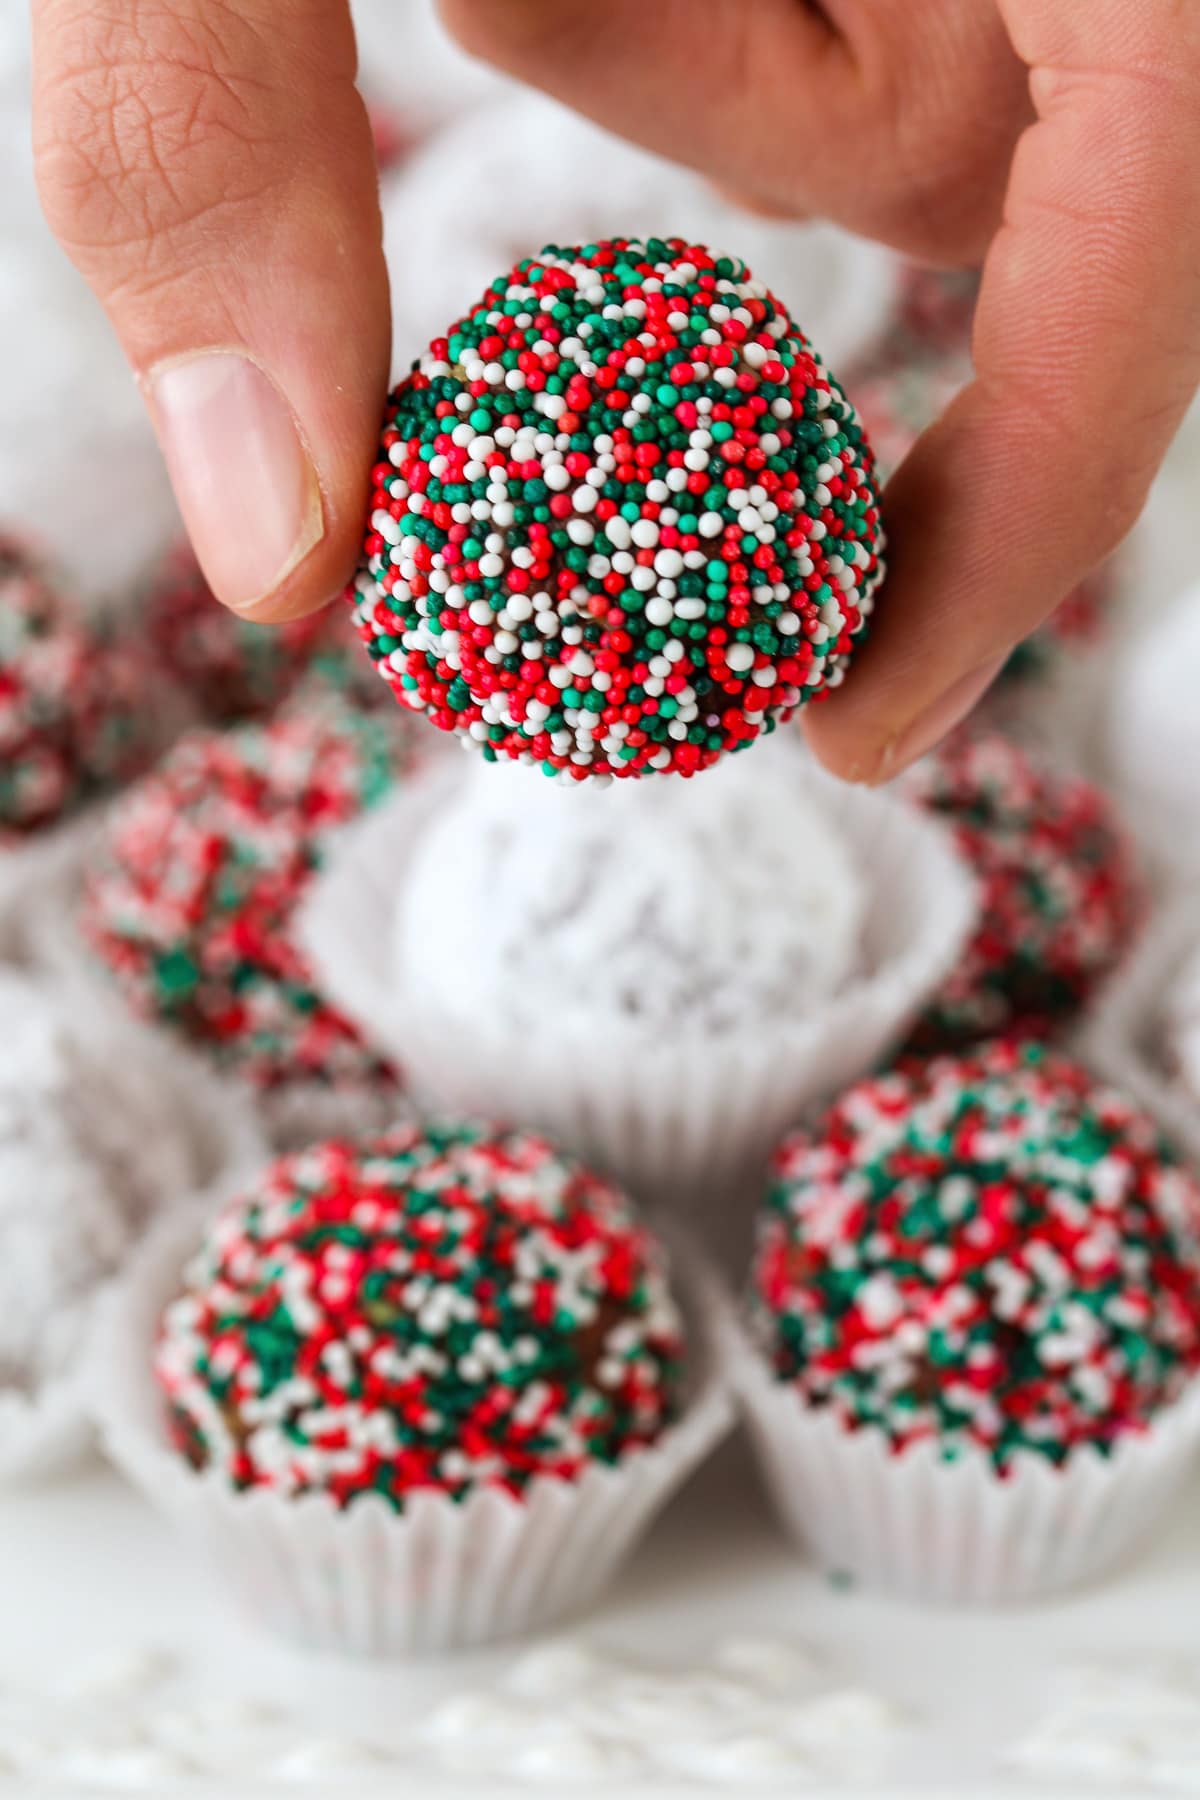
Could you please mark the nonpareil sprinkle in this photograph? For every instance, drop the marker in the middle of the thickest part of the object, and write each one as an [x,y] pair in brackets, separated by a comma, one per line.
[991,1251]
[445,1307]
[623,520]
[75,716]
[1059,896]
[190,894]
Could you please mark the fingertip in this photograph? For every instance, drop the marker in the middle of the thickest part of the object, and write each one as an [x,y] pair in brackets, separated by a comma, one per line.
[873,752]
[315,583]
[843,747]
[317,577]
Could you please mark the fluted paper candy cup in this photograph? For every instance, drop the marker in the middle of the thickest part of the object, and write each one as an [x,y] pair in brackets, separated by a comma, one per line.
[676,1110]
[955,1532]
[367,1580]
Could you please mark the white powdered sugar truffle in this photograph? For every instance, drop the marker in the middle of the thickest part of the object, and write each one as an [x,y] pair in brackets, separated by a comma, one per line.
[648,908]
[86,1158]
[525,172]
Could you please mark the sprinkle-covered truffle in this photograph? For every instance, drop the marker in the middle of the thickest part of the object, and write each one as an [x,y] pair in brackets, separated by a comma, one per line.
[189,898]
[1059,897]
[624,520]
[441,1308]
[989,1252]
[75,716]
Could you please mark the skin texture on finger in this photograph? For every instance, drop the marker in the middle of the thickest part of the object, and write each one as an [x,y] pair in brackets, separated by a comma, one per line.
[896,121]
[208,166]
[1087,350]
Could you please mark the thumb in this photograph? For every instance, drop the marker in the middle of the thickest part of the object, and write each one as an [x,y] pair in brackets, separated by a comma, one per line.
[207,164]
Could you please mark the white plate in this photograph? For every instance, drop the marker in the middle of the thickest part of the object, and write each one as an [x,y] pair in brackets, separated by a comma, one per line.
[93,1580]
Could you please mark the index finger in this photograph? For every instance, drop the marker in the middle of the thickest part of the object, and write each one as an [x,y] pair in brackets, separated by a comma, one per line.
[1087,351]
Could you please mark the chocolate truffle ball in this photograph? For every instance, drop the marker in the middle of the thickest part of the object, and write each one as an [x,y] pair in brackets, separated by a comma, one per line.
[990,1251]
[445,1308]
[623,521]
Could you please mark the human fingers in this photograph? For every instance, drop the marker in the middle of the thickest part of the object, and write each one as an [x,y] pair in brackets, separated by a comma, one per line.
[1087,352]
[208,166]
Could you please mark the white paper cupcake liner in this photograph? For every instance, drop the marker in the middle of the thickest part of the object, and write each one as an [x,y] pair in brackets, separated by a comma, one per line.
[49,1431]
[675,1117]
[955,1532]
[368,1581]
[1125,1038]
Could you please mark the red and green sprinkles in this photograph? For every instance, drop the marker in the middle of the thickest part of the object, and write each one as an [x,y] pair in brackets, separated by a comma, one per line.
[1059,896]
[190,895]
[74,718]
[988,1252]
[444,1308]
[624,520]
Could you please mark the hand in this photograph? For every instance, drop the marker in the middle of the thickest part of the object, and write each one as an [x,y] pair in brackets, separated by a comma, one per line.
[1057,139]
[208,165]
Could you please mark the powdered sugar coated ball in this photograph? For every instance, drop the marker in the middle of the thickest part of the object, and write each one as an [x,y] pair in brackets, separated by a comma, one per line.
[88,1152]
[663,908]
[624,521]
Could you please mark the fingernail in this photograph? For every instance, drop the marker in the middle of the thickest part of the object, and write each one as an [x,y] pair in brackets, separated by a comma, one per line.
[947,711]
[244,480]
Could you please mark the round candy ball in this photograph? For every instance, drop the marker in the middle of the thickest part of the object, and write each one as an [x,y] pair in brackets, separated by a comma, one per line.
[624,520]
[987,1252]
[445,1308]
[571,916]
[189,896]
[1059,896]
[76,710]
